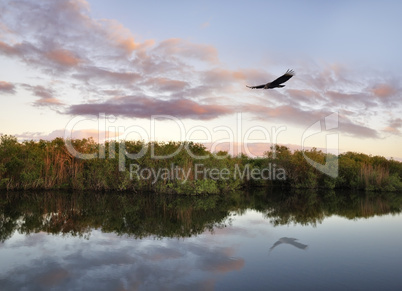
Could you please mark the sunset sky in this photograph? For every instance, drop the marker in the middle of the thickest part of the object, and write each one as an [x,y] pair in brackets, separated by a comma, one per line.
[67,64]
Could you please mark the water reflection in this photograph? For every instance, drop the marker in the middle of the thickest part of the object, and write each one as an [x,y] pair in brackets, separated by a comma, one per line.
[84,241]
[290,241]
[142,215]
[113,263]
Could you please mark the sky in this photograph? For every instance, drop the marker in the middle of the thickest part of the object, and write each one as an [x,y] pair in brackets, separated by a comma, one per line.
[178,70]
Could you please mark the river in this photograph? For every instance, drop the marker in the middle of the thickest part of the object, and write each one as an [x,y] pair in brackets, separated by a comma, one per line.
[256,240]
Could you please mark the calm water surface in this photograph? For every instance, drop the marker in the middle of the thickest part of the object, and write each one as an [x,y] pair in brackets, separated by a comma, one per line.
[244,241]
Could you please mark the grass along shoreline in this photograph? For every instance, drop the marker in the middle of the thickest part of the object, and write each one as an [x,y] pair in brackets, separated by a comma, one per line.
[188,169]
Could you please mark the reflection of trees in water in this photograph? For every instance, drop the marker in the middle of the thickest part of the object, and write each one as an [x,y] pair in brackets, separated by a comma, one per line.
[310,207]
[177,216]
[370,207]
[303,207]
[131,214]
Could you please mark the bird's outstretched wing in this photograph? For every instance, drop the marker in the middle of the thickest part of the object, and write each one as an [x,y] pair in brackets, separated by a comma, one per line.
[282,79]
[256,87]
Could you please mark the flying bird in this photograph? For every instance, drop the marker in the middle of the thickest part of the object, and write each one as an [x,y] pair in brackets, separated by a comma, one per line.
[276,83]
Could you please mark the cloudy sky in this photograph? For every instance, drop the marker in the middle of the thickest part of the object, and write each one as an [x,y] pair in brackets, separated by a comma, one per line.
[89,67]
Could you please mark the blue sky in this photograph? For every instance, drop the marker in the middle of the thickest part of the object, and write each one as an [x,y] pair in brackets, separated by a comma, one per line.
[352,31]
[71,60]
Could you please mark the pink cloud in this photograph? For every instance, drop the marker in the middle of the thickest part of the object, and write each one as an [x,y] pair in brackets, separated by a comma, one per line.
[142,107]
[305,118]
[48,102]
[354,100]
[383,90]
[394,126]
[161,84]
[48,24]
[103,57]
[7,87]
[7,49]
[305,94]
[357,130]
[288,113]
[183,48]
[119,35]
[46,95]
[98,136]
[392,130]
[22,50]
[63,57]
[108,75]
[222,79]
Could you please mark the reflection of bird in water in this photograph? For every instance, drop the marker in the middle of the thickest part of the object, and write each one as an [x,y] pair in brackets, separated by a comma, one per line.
[289,240]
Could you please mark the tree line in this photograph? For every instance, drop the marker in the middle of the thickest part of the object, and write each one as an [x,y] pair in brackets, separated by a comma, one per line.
[188,168]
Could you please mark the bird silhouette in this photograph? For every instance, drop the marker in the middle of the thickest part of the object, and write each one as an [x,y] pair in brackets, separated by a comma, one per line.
[276,83]
[290,241]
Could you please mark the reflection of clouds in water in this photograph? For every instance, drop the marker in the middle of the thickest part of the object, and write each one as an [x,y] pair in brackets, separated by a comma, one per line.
[28,240]
[162,253]
[80,264]
[243,222]
[53,278]
[232,231]
[217,259]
